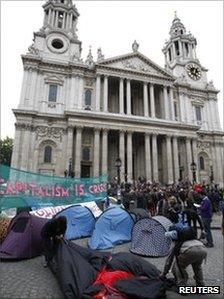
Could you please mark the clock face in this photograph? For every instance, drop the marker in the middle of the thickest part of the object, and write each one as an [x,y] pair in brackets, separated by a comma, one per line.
[194,71]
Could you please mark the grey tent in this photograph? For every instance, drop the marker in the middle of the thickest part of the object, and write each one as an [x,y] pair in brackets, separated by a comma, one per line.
[148,237]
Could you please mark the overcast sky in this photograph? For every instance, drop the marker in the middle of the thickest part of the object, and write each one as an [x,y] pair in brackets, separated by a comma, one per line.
[113,26]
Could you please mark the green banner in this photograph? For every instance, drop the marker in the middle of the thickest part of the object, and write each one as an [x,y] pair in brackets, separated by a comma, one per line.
[26,189]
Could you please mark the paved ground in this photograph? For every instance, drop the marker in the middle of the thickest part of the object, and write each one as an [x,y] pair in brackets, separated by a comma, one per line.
[30,280]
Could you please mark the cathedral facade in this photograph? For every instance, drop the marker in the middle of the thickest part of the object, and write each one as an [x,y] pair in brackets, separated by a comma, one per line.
[82,115]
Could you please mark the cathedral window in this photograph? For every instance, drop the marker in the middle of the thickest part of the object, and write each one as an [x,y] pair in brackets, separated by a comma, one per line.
[201,163]
[177,48]
[169,52]
[175,111]
[60,19]
[88,95]
[198,113]
[86,154]
[186,49]
[53,90]
[47,154]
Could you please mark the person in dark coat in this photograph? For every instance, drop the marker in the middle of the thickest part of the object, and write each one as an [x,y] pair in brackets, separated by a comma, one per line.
[206,216]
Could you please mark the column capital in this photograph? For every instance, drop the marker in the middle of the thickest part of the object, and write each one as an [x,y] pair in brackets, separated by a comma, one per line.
[96,129]
[70,128]
[155,133]
[105,130]
[130,131]
[78,129]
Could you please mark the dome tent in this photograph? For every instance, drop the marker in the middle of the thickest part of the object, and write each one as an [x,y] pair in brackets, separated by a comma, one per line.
[80,221]
[148,237]
[23,239]
[113,227]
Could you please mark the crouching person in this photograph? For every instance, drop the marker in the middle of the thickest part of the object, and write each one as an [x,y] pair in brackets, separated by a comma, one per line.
[187,250]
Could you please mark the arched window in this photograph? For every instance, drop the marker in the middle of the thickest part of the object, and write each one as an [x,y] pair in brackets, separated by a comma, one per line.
[47,154]
[88,95]
[201,163]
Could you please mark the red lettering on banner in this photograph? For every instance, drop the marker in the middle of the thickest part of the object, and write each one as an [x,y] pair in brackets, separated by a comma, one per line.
[64,192]
[57,191]
[79,190]
[10,188]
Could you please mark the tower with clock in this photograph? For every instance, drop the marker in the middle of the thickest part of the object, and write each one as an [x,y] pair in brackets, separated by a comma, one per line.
[180,56]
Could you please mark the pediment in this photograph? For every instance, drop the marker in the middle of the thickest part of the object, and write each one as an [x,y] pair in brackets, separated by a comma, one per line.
[135,62]
[54,79]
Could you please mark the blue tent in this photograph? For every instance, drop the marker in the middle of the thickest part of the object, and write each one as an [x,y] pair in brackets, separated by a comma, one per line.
[80,221]
[113,227]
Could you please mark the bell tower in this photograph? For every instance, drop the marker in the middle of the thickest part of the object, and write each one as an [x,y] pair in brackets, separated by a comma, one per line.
[181,47]
[57,39]
[180,56]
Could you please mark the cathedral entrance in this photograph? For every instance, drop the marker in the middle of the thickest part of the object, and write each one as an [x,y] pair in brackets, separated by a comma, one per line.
[85,171]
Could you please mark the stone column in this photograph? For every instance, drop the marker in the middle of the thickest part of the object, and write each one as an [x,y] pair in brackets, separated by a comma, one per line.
[189,158]
[56,19]
[33,87]
[71,96]
[49,17]
[169,160]
[78,152]
[64,18]
[175,159]
[218,154]
[121,96]
[24,87]
[70,24]
[25,148]
[216,110]
[105,152]
[52,18]
[195,155]
[98,83]
[148,170]
[145,96]
[96,159]
[181,107]
[128,97]
[166,102]
[69,154]
[31,165]
[172,104]
[37,95]
[122,153]
[180,48]
[80,96]
[16,147]
[129,156]
[173,50]
[152,101]
[155,158]
[105,94]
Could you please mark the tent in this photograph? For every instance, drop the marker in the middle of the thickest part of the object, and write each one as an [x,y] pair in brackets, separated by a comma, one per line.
[80,221]
[113,227]
[148,237]
[23,239]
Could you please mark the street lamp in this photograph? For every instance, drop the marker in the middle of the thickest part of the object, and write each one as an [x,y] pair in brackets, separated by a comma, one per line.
[70,167]
[181,169]
[118,164]
[193,167]
[211,174]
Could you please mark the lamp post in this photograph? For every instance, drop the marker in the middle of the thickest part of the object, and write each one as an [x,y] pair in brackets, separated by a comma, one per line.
[211,174]
[118,164]
[193,167]
[70,167]
[181,168]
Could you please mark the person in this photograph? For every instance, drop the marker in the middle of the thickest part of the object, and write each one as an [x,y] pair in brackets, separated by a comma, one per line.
[206,216]
[192,215]
[188,251]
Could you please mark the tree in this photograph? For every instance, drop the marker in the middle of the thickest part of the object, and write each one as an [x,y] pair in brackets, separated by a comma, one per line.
[6,146]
